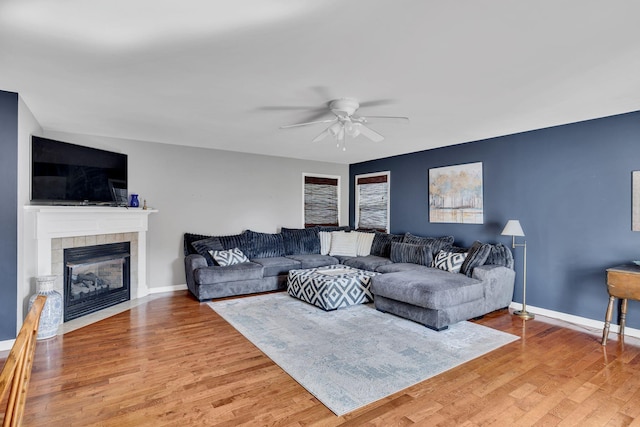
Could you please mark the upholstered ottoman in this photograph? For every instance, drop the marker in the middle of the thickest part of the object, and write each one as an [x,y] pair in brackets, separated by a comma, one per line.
[331,287]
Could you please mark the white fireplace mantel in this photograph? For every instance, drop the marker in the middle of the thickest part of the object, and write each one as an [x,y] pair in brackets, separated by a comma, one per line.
[51,222]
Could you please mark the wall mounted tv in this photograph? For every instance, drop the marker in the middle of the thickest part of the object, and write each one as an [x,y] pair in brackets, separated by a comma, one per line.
[69,174]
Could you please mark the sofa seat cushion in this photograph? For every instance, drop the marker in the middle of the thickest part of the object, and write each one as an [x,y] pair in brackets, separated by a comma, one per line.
[232,273]
[314,260]
[402,266]
[369,262]
[435,289]
[277,265]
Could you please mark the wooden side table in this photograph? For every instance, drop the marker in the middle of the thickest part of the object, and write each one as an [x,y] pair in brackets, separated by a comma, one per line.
[623,282]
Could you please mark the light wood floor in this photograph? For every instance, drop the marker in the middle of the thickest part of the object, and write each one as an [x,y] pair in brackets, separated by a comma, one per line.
[174,362]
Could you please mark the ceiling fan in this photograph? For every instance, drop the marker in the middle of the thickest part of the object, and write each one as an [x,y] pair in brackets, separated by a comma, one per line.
[346,122]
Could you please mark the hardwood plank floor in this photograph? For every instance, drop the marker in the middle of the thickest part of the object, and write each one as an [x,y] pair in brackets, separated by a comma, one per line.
[174,362]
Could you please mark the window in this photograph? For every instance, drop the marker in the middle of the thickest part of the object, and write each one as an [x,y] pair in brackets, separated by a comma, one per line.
[321,200]
[372,201]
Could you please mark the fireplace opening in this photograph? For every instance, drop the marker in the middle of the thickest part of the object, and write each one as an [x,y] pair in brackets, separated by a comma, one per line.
[96,277]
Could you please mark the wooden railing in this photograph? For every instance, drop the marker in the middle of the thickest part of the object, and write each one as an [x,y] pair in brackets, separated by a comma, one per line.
[16,372]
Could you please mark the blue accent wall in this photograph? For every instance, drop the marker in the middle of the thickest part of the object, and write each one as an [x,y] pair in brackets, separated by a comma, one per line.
[570,187]
[8,214]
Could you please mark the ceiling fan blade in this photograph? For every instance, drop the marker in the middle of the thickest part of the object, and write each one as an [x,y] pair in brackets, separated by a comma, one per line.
[307,123]
[322,136]
[376,102]
[290,108]
[387,117]
[371,134]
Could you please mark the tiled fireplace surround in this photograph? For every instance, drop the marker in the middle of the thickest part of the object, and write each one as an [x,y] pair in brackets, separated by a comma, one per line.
[55,228]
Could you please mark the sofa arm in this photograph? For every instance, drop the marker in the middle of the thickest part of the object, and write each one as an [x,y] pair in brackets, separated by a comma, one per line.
[191,264]
[498,285]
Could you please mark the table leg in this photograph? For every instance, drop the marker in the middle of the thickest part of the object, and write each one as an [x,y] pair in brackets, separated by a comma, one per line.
[623,316]
[607,321]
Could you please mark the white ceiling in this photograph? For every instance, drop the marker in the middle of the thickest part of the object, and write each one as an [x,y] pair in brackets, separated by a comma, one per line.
[214,73]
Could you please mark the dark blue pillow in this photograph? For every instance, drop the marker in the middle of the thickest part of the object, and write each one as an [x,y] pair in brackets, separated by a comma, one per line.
[436,244]
[265,245]
[301,241]
[381,245]
[203,247]
[189,238]
[414,254]
[477,255]
[500,255]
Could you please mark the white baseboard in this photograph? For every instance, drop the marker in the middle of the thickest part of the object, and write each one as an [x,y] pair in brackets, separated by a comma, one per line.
[6,345]
[577,320]
[168,289]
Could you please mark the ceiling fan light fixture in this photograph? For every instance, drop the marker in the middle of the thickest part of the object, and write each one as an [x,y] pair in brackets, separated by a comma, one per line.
[352,129]
[334,129]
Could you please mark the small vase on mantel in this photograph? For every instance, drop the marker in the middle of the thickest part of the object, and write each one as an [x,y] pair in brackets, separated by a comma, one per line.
[135,202]
[51,316]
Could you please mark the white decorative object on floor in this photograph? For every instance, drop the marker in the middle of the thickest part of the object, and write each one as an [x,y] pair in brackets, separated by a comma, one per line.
[51,316]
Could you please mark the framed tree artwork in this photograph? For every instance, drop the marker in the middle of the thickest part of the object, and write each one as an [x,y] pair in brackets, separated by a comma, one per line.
[456,194]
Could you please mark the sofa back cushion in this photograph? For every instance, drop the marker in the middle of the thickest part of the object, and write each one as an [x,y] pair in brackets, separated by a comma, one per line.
[408,253]
[265,245]
[301,241]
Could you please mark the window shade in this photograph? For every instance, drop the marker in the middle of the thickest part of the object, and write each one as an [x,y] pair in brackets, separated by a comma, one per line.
[320,201]
[373,202]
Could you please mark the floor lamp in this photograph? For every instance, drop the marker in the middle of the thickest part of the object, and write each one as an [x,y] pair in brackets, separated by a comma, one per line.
[513,229]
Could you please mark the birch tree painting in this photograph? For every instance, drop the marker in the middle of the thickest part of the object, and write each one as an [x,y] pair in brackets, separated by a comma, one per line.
[455,194]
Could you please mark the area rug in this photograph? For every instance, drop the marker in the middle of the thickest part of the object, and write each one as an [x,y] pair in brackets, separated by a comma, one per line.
[353,356]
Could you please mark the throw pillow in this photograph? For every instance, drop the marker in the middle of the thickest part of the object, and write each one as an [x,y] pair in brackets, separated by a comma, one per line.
[343,244]
[500,255]
[437,244]
[449,261]
[189,238]
[229,257]
[381,245]
[365,240]
[202,247]
[325,242]
[477,255]
[408,253]
[301,241]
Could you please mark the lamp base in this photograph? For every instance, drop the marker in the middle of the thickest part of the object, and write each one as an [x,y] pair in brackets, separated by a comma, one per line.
[524,314]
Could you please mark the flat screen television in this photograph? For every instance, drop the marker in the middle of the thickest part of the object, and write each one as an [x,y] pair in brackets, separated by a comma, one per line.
[70,174]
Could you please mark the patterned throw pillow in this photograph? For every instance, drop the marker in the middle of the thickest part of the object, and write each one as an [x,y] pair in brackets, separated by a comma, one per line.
[230,257]
[449,261]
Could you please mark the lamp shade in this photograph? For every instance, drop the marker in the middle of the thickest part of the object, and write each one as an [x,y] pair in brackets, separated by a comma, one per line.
[513,228]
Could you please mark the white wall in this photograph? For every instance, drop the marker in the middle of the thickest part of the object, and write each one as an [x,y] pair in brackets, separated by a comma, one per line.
[27,125]
[209,192]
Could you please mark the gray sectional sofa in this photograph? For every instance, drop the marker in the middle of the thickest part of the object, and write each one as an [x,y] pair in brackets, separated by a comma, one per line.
[410,286]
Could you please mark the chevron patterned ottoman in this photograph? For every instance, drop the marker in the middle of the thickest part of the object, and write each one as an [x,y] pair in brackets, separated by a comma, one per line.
[331,287]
